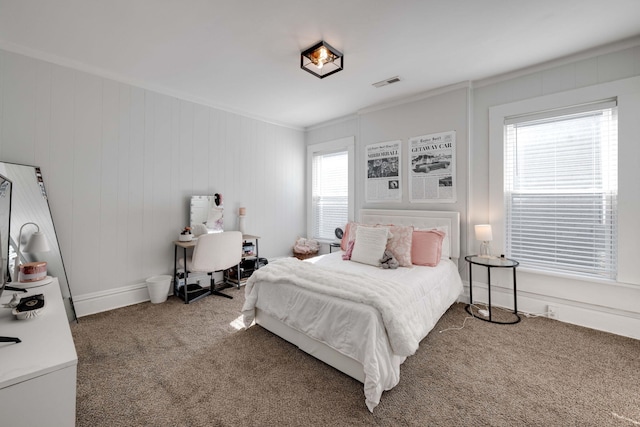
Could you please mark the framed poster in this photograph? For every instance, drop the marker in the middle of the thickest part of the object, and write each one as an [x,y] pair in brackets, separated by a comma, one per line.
[432,163]
[383,183]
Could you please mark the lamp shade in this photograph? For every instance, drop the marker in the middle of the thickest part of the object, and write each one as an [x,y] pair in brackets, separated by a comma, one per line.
[37,243]
[483,232]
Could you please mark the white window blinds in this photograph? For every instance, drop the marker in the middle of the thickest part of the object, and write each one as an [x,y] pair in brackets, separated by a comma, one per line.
[330,193]
[560,187]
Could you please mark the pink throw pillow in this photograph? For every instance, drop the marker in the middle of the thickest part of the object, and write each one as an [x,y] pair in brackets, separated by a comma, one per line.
[400,243]
[426,247]
[348,235]
[346,256]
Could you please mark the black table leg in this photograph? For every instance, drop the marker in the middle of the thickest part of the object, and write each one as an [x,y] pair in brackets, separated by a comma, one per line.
[470,284]
[515,294]
[186,277]
[489,290]
[175,270]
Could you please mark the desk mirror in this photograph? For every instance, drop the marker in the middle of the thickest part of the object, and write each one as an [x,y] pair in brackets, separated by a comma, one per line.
[206,214]
[29,203]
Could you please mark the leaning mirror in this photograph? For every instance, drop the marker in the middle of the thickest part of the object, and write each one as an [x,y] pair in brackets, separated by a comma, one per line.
[29,204]
[5,216]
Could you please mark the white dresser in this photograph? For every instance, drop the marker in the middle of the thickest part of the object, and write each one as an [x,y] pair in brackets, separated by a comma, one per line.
[38,375]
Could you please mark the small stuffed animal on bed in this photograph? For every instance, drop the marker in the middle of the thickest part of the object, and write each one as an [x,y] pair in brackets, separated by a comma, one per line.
[388,260]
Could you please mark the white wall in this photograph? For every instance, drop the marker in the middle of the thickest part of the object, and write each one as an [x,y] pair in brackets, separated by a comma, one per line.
[120,163]
[609,307]
[439,111]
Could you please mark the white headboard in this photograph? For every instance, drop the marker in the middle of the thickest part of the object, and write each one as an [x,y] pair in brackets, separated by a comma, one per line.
[419,219]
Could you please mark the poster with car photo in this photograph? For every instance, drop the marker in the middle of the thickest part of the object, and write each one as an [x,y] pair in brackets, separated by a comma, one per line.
[383,183]
[432,168]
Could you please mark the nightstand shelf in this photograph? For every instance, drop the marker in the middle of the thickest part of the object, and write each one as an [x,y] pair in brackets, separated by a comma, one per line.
[250,253]
[194,292]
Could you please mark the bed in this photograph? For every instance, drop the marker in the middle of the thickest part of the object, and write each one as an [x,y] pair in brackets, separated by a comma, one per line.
[314,304]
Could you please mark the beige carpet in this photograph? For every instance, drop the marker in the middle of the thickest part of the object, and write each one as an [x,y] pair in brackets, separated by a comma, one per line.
[172,364]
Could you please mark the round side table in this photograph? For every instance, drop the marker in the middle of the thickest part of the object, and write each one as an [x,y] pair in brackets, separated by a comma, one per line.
[490,263]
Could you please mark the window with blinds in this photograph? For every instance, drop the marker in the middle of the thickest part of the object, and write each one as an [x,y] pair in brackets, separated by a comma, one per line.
[330,193]
[560,189]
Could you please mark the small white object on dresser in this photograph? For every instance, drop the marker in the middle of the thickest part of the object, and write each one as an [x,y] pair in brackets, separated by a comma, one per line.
[38,375]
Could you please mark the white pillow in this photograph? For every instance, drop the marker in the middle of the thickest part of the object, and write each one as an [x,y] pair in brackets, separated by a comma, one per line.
[369,245]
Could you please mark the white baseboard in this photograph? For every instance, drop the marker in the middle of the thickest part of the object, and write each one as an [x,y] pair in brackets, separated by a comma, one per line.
[592,316]
[98,302]
[588,315]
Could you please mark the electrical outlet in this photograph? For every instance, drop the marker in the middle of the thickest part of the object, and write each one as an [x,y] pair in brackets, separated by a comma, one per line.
[552,312]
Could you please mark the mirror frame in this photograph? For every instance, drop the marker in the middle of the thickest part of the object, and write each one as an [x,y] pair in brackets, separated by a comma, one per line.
[5,224]
[22,199]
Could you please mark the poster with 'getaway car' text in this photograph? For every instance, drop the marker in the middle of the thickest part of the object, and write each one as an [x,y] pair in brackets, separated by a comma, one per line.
[432,168]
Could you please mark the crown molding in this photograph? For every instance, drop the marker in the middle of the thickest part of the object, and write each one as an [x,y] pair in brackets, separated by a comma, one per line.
[417,97]
[331,122]
[585,54]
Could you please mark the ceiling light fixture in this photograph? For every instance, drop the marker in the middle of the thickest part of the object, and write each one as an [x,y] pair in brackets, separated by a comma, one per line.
[321,60]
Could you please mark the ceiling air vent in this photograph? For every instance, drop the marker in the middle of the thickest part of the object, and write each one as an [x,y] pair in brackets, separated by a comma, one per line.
[388,81]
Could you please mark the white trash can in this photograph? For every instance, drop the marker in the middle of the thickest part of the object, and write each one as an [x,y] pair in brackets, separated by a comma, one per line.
[159,287]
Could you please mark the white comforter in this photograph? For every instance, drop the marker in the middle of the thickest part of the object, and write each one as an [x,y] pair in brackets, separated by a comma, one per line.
[374,316]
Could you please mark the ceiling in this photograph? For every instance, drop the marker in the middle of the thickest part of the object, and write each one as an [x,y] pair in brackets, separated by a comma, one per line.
[243,55]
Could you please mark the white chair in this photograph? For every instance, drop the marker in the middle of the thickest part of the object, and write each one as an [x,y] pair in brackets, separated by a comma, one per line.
[215,252]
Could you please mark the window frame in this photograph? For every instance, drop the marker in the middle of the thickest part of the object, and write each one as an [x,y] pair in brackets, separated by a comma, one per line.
[627,92]
[569,251]
[343,144]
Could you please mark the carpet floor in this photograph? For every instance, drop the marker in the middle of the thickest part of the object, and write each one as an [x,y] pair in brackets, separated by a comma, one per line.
[173,364]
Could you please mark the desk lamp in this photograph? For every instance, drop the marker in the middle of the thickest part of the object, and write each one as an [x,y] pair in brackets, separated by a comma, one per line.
[37,243]
[484,234]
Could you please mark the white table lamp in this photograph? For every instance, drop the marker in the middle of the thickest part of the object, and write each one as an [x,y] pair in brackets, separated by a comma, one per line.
[37,243]
[484,234]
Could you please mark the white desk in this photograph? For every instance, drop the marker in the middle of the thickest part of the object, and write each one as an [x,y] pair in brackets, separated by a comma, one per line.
[38,375]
